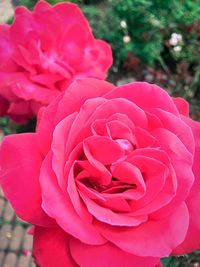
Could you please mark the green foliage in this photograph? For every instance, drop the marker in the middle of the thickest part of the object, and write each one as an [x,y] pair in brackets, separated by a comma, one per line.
[27,3]
[30,126]
[139,20]
[167,262]
[5,126]
[9,127]
[151,22]
[30,3]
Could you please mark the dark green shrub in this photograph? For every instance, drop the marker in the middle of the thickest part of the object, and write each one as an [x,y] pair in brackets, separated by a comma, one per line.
[30,3]
[151,22]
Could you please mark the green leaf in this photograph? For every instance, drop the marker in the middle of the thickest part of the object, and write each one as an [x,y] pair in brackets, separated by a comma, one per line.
[167,262]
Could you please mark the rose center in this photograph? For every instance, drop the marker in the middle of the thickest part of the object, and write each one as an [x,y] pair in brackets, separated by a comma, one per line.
[125,145]
[115,186]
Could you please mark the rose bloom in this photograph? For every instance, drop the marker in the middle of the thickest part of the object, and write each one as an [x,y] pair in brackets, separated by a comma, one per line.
[110,178]
[42,52]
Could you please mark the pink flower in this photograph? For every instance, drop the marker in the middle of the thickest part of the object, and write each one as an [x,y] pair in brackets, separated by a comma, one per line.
[42,52]
[110,178]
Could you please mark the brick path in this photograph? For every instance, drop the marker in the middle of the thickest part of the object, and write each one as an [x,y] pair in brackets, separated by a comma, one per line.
[15,243]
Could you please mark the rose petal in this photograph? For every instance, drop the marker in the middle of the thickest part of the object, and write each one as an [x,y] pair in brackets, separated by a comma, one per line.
[80,128]
[4,104]
[69,13]
[155,238]
[80,91]
[128,173]
[26,90]
[118,130]
[75,198]
[192,240]
[155,97]
[20,162]
[173,146]
[109,217]
[106,256]
[160,187]
[46,120]
[56,204]
[43,51]
[177,126]
[95,172]
[6,48]
[122,106]
[51,248]
[102,149]
[58,147]
[182,105]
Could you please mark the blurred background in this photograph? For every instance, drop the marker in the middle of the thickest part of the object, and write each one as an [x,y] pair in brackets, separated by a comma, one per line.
[152,40]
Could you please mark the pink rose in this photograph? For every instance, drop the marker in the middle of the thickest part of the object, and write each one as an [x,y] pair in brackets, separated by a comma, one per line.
[110,178]
[42,52]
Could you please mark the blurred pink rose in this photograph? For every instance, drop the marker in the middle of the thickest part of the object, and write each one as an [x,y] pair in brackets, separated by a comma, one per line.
[110,178]
[42,52]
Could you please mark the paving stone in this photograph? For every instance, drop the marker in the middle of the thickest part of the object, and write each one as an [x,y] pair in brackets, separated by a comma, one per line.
[20,220]
[32,264]
[8,213]
[1,193]
[17,235]
[2,254]
[28,242]
[2,205]
[5,236]
[10,260]
[24,261]
[1,135]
